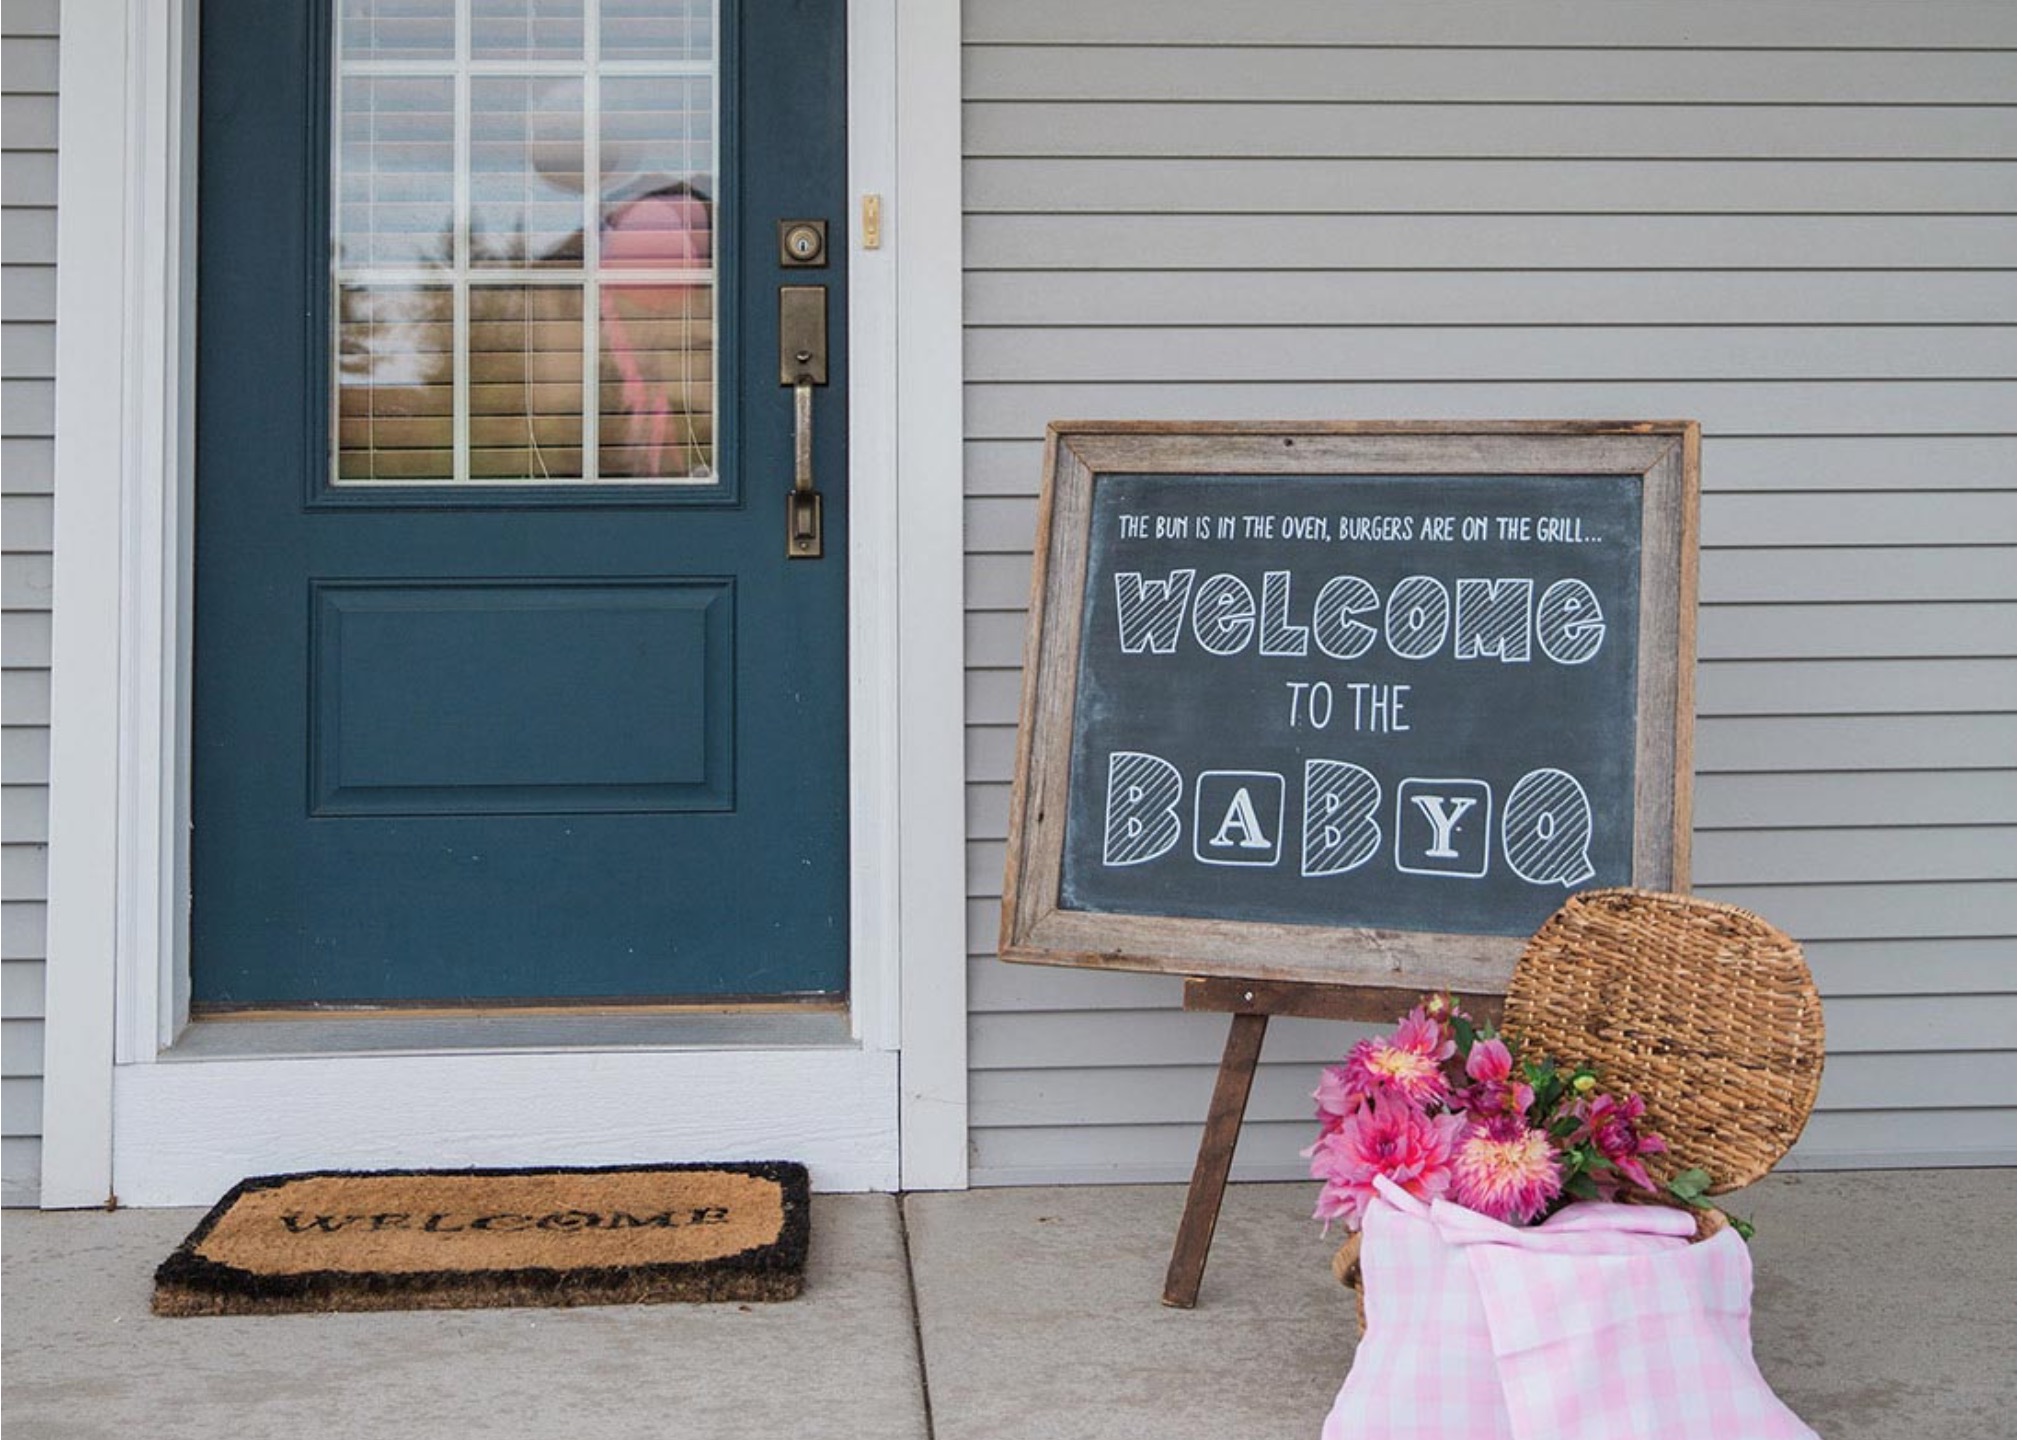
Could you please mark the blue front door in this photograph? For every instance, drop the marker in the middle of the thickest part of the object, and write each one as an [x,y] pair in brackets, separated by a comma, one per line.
[505,687]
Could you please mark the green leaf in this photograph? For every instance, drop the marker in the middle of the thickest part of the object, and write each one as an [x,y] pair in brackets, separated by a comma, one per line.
[1744,1228]
[1690,1185]
[1582,1186]
[1464,1036]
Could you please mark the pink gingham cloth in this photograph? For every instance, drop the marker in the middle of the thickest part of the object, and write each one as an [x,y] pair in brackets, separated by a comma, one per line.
[1601,1323]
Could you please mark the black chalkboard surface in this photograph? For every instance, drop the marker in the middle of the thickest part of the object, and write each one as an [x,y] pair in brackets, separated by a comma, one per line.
[1361,700]
[1353,703]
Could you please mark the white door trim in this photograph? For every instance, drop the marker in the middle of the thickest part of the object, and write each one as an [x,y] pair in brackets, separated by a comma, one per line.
[926,227]
[118,1119]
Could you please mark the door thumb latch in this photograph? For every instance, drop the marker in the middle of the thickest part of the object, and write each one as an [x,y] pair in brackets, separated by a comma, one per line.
[803,364]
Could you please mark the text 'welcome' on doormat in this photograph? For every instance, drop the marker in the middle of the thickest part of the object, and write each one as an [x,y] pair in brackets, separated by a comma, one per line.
[452,1239]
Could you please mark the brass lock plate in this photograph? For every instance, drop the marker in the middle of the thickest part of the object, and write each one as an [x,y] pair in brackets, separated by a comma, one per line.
[803,334]
[803,525]
[803,244]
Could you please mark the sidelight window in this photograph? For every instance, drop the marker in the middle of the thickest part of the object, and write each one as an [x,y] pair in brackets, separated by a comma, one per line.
[523,256]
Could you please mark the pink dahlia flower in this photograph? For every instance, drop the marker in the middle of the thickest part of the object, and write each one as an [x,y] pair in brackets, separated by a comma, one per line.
[1335,1100]
[1505,1169]
[1489,1060]
[1611,1125]
[1490,1066]
[1386,1137]
[1406,1064]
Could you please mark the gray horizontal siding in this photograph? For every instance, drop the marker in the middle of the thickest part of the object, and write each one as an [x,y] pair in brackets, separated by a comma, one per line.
[1480,74]
[1110,1039]
[1897,910]
[1740,407]
[1267,128]
[1789,220]
[1578,25]
[28,60]
[1382,353]
[1177,1095]
[1844,968]
[1066,185]
[1891,463]
[1124,1154]
[1736,299]
[1488,242]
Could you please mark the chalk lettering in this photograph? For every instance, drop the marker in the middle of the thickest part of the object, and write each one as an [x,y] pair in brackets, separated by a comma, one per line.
[1492,618]
[1148,613]
[1239,825]
[1378,709]
[1335,630]
[1547,828]
[1415,620]
[1313,699]
[1443,827]
[1276,635]
[1140,818]
[1341,832]
[1225,615]
[1444,812]
[1246,809]
[1486,617]
[1570,623]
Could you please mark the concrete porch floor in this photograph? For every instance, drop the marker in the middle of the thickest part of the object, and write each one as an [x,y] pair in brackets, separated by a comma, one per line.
[1885,1310]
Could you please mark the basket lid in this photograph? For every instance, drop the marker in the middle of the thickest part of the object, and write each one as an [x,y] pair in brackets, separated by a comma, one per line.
[1705,1010]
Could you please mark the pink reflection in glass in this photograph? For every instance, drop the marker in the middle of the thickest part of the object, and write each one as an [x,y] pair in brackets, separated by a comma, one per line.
[665,229]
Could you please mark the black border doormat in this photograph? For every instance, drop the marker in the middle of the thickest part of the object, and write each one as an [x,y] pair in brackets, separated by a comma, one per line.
[453,1239]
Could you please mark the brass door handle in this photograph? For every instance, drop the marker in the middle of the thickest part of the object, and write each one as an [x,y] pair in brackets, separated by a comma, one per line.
[803,364]
[803,502]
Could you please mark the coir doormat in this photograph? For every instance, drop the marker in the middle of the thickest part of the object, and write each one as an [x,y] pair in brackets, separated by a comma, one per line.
[450,1239]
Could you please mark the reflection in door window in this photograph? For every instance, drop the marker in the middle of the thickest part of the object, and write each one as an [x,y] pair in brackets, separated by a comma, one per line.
[524,248]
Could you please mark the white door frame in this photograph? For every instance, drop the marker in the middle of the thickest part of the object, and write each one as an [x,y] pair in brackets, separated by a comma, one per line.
[889,1110]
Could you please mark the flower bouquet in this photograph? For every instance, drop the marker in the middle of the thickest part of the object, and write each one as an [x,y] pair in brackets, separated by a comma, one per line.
[1442,1109]
[1502,1298]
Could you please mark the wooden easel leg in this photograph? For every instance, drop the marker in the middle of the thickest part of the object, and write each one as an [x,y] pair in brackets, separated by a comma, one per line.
[1211,1167]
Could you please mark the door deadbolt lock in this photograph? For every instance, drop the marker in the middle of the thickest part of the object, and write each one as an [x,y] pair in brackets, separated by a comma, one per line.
[803,244]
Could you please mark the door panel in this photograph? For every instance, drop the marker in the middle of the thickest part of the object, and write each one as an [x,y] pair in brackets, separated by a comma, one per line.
[409,684]
[505,689]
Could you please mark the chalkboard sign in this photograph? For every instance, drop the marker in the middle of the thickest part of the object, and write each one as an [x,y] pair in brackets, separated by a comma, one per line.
[1349,703]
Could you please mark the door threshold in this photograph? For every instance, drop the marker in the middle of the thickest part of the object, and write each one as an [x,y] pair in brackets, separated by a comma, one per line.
[273,1034]
[479,1009]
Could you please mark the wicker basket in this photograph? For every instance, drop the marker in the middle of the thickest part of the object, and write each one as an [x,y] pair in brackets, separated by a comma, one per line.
[1705,1010]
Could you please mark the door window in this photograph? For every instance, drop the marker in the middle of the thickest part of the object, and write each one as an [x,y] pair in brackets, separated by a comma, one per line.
[523,264]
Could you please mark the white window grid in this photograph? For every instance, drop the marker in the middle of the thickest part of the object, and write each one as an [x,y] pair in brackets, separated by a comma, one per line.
[462,275]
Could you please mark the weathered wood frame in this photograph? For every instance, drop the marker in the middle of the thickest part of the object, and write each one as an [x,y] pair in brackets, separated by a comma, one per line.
[1664,454]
